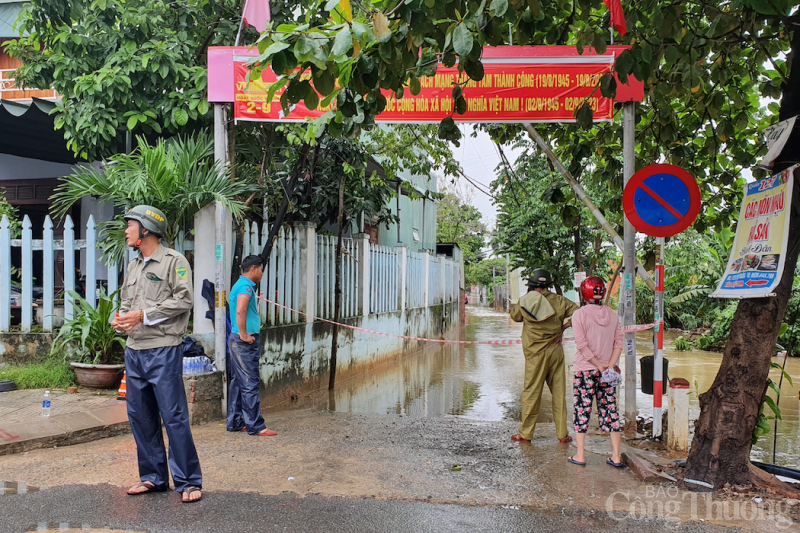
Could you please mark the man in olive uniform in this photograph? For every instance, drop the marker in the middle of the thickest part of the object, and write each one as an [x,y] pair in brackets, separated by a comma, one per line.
[544,315]
[155,302]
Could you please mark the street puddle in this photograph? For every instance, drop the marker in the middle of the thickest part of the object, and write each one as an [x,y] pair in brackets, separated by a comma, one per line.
[66,527]
[14,487]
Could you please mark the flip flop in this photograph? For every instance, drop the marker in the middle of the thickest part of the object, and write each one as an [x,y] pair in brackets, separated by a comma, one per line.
[565,440]
[609,461]
[573,461]
[265,433]
[519,438]
[149,486]
[190,490]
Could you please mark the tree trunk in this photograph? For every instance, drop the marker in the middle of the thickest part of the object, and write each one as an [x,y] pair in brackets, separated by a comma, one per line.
[720,450]
[337,300]
[281,214]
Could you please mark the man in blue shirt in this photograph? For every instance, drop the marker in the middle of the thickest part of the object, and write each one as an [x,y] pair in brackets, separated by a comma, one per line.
[244,405]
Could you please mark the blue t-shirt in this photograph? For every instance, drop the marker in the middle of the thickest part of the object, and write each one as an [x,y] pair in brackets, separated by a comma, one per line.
[246,287]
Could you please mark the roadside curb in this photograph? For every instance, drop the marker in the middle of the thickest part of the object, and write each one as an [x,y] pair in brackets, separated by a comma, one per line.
[64,430]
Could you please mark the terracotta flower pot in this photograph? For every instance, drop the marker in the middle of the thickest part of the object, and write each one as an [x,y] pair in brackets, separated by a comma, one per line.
[98,376]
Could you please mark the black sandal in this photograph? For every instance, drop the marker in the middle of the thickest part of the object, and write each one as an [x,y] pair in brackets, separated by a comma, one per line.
[146,484]
[189,491]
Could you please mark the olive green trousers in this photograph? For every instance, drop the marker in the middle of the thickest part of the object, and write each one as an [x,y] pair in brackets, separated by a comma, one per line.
[544,367]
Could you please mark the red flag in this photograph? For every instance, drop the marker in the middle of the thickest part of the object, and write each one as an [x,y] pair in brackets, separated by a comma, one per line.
[617,16]
[256,13]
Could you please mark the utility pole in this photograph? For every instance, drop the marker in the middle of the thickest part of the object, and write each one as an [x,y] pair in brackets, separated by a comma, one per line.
[628,290]
[221,238]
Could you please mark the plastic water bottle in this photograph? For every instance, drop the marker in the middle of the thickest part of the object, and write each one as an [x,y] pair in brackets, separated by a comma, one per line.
[46,404]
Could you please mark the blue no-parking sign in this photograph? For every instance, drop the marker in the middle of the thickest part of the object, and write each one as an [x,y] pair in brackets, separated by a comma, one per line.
[661,200]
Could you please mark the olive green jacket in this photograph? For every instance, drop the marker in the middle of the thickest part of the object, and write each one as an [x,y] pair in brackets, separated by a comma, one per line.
[162,287]
[543,317]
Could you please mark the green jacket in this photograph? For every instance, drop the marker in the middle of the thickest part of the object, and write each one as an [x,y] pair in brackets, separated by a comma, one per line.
[543,317]
[162,287]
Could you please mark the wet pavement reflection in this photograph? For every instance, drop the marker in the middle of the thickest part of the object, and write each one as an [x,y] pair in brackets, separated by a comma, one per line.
[483,382]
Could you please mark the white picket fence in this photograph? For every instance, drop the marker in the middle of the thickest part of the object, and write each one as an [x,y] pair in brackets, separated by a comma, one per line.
[380,284]
[415,280]
[326,278]
[281,281]
[43,252]
[383,279]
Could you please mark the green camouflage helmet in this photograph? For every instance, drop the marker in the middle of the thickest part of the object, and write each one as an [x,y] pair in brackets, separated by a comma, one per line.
[151,219]
[540,278]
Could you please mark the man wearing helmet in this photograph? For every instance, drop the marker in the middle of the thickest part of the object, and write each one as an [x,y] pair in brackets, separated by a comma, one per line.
[544,315]
[155,302]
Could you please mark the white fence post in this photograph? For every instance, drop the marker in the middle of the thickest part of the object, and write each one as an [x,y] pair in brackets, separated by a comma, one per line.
[27,274]
[426,266]
[443,274]
[69,267]
[307,272]
[5,274]
[48,273]
[402,259]
[91,261]
[363,273]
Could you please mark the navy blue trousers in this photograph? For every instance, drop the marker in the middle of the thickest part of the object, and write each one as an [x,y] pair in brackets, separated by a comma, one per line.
[244,405]
[156,393]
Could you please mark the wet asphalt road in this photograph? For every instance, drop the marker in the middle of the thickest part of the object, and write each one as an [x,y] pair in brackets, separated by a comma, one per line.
[105,506]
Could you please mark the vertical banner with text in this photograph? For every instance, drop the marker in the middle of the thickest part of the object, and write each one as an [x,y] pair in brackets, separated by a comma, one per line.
[759,248]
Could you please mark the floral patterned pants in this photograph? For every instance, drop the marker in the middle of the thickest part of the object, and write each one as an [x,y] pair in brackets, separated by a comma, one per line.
[587,385]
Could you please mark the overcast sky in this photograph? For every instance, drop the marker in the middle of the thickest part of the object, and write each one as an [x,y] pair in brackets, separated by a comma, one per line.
[479,159]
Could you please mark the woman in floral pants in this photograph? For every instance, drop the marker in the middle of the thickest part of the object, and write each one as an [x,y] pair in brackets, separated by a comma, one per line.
[598,336]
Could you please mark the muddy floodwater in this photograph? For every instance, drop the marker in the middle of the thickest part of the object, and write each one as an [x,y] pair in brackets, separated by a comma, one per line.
[483,382]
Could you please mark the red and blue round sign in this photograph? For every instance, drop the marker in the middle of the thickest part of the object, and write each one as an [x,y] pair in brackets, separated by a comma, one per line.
[661,200]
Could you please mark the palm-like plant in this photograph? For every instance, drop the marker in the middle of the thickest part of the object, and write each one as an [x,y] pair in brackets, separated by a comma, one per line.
[706,272]
[178,176]
[88,337]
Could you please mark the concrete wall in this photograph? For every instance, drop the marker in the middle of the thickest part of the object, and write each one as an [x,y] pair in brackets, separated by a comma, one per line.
[295,358]
[20,348]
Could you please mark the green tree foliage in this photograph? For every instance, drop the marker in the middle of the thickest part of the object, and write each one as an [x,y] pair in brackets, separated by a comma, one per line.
[534,231]
[179,177]
[124,65]
[11,212]
[489,272]
[459,222]
[705,65]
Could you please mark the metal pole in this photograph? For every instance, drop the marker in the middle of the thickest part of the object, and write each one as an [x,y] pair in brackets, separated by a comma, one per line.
[580,193]
[399,192]
[629,270]
[220,332]
[658,369]
[508,286]
[241,25]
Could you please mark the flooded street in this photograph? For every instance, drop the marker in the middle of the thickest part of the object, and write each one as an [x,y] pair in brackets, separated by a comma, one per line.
[484,382]
[423,443]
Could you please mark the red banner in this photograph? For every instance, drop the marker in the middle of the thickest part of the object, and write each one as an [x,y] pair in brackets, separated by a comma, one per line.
[531,88]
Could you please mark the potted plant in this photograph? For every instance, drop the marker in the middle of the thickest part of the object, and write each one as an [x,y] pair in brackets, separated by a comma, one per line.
[93,348]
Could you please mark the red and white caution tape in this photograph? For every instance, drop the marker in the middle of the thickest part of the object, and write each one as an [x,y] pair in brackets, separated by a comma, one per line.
[421,339]
[637,327]
[441,341]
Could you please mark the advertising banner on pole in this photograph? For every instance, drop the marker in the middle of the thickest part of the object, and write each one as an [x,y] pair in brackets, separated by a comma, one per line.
[522,85]
[759,248]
